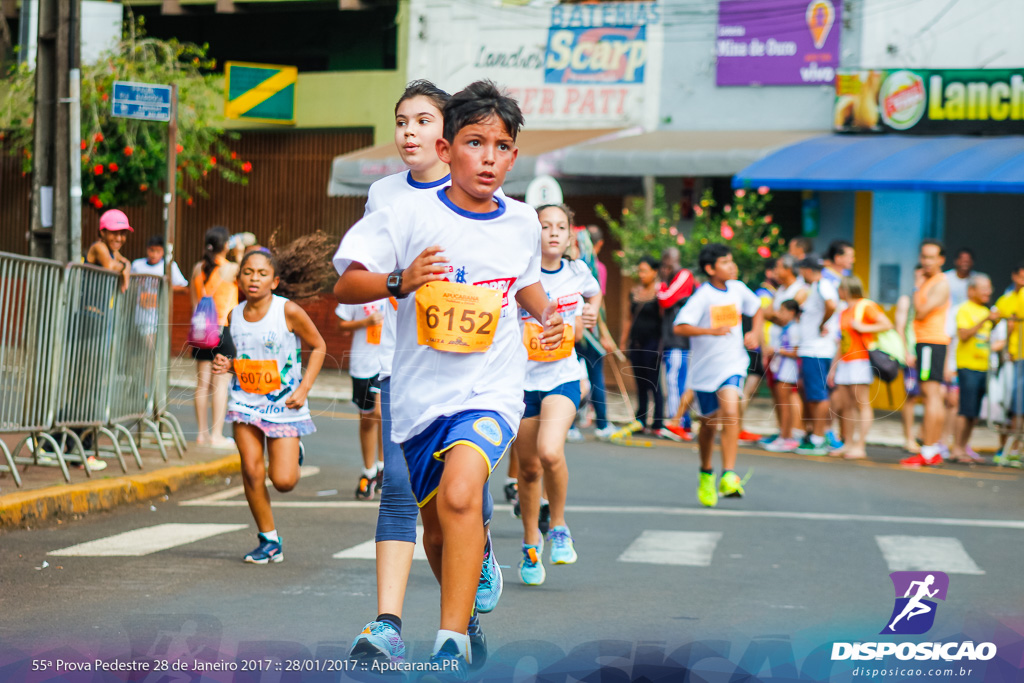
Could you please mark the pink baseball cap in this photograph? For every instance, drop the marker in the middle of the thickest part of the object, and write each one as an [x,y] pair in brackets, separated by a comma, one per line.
[115,220]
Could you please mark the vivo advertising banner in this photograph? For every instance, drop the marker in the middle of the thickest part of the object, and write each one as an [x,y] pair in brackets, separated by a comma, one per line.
[570,66]
[930,101]
[778,42]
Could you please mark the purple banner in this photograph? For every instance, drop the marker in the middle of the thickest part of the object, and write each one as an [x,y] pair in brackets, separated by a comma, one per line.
[778,42]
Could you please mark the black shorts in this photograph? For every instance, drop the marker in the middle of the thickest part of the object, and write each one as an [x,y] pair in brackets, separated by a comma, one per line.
[365,392]
[755,366]
[225,347]
[972,391]
[931,362]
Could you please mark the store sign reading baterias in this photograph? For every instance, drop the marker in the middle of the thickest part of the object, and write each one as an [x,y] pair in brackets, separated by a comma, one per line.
[593,65]
[930,102]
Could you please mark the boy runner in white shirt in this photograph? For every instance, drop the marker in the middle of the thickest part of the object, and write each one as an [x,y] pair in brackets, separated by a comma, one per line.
[469,257]
[365,323]
[718,366]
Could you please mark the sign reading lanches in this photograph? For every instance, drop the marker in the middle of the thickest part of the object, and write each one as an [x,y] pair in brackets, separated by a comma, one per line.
[930,102]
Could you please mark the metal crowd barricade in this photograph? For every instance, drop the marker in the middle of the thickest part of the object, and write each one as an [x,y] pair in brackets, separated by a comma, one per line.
[31,335]
[134,364]
[161,416]
[90,351]
[1006,380]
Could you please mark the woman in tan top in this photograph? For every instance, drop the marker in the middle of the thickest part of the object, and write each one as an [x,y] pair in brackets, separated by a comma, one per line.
[214,276]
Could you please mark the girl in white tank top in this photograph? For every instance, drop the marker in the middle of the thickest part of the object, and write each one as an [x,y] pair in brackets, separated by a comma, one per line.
[268,390]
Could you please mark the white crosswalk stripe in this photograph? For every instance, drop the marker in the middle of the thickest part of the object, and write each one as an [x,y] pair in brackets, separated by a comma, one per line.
[924,553]
[689,548]
[147,541]
[367,550]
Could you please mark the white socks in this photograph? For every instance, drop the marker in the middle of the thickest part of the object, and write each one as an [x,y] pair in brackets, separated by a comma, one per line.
[271,535]
[372,472]
[461,640]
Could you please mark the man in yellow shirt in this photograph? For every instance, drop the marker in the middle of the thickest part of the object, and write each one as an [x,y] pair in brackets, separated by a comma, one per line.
[974,323]
[1011,308]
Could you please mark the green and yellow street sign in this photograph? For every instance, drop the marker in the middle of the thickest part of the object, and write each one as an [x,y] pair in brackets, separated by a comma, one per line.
[260,92]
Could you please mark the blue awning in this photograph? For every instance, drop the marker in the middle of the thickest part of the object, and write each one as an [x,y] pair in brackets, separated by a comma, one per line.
[950,163]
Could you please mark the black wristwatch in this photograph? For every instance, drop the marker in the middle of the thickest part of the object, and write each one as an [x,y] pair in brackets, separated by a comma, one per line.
[395,284]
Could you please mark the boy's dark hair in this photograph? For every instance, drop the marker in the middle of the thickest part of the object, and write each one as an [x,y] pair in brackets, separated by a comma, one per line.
[837,248]
[770,262]
[476,102]
[804,243]
[216,240]
[936,243]
[439,98]
[791,305]
[1017,268]
[596,233]
[155,241]
[964,250]
[710,254]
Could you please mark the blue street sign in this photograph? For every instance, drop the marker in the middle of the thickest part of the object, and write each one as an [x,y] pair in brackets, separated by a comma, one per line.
[145,101]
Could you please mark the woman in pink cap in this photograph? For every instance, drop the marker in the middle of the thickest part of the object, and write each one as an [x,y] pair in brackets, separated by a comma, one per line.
[106,251]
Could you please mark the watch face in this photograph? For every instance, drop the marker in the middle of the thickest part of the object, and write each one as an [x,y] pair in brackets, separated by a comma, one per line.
[392,280]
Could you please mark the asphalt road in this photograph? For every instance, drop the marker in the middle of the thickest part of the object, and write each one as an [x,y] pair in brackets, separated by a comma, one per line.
[757,586]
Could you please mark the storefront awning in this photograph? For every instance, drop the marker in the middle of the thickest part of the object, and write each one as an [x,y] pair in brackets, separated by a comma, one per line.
[352,174]
[676,153]
[893,162]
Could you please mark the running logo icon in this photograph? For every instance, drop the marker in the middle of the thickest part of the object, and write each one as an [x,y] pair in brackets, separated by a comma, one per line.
[916,592]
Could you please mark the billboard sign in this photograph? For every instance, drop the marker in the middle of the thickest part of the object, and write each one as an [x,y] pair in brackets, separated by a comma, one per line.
[777,42]
[930,101]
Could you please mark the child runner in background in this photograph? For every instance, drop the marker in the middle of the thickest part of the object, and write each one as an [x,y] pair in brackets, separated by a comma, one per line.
[552,395]
[419,123]
[860,320]
[782,362]
[268,391]
[718,363]
[974,324]
[365,323]
[470,256]
[106,251]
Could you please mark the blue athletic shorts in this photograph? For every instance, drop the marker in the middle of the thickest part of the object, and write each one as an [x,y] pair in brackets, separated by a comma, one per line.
[533,399]
[707,401]
[485,431]
[814,374]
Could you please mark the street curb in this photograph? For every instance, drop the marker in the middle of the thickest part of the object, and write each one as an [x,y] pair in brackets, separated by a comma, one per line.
[20,508]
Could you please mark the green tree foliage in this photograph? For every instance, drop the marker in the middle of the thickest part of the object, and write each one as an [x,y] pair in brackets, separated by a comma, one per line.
[743,225]
[125,159]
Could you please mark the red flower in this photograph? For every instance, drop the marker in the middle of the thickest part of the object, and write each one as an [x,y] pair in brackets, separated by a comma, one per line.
[83,145]
[763,190]
[189,201]
[98,137]
[213,161]
[763,251]
[98,169]
[180,149]
[234,156]
[104,97]
[246,167]
[727,232]
[113,167]
[767,218]
[143,187]
[95,201]
[128,151]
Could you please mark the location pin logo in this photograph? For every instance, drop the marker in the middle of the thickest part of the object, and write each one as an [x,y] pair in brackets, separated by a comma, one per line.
[820,17]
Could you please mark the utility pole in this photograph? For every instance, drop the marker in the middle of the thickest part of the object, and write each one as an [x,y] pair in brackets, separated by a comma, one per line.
[57,54]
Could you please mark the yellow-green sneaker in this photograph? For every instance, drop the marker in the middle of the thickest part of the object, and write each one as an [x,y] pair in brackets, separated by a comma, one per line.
[730,485]
[627,431]
[706,493]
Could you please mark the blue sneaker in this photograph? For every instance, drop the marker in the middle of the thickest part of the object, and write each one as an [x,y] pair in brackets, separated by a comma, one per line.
[562,550]
[832,440]
[488,590]
[531,567]
[378,642]
[448,665]
[266,551]
[477,643]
